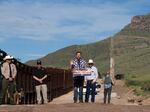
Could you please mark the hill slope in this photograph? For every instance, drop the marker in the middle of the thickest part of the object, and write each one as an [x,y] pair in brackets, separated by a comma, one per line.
[131,50]
[98,51]
[132,47]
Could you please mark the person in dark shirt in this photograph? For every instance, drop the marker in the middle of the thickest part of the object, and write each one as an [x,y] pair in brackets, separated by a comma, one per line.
[0,78]
[40,83]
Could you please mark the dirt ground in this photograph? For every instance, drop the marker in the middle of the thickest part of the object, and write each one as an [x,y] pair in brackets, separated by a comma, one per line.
[95,107]
[119,103]
[120,95]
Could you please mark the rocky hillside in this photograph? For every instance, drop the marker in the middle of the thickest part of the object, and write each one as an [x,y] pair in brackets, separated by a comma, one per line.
[131,50]
[132,46]
[139,26]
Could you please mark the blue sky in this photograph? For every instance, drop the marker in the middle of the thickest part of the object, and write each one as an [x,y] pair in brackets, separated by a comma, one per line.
[30,29]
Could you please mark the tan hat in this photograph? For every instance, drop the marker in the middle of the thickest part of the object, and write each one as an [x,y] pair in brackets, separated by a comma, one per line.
[90,61]
[8,57]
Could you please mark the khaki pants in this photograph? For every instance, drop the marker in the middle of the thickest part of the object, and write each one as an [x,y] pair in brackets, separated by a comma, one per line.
[42,88]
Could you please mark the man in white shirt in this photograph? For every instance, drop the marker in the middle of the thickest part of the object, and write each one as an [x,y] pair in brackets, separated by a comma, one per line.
[91,82]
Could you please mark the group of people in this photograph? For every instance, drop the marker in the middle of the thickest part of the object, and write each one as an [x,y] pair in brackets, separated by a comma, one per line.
[8,83]
[87,74]
[83,73]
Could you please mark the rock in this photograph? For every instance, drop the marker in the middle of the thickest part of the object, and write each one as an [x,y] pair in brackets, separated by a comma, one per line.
[131,100]
[136,19]
[113,94]
[118,97]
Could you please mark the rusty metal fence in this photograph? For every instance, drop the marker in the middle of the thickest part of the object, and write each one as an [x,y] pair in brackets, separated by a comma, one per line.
[59,81]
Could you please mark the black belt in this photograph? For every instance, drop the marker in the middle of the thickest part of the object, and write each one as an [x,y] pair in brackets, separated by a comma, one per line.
[90,80]
[8,79]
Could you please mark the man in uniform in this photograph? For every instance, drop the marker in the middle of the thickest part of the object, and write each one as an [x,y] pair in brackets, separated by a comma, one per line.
[9,73]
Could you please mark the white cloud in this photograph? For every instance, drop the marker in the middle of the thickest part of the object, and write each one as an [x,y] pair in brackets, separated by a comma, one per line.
[56,25]
[35,55]
[44,22]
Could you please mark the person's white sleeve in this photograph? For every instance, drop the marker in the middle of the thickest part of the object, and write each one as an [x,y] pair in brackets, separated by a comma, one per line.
[96,74]
[3,71]
[15,71]
[85,78]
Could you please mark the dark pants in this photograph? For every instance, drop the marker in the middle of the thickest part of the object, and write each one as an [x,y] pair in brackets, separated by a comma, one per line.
[78,88]
[90,89]
[10,86]
[0,84]
[107,92]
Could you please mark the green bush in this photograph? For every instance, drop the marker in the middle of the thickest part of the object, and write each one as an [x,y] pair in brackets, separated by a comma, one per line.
[146,86]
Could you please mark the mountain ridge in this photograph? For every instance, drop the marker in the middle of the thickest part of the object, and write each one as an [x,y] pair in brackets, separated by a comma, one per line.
[131,38]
